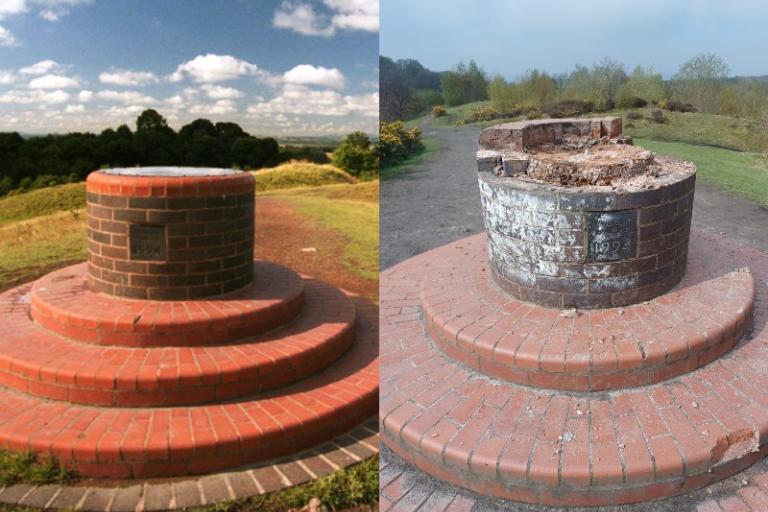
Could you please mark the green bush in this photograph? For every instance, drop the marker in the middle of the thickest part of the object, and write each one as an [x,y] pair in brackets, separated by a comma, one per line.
[396,142]
[630,102]
[438,111]
[356,155]
[568,108]
[657,116]
[634,115]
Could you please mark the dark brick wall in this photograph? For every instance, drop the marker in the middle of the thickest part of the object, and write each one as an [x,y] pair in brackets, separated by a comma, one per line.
[537,236]
[208,243]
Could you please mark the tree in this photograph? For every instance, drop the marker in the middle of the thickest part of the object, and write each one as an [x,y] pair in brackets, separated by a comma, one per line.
[642,83]
[355,154]
[151,119]
[541,87]
[700,80]
[464,83]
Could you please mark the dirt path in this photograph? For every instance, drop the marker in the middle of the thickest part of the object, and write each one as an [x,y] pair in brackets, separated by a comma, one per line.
[437,201]
[282,233]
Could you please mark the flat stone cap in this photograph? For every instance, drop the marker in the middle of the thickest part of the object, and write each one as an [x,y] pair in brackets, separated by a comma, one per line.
[170,172]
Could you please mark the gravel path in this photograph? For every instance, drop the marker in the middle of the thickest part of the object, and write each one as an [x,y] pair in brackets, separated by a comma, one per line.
[437,201]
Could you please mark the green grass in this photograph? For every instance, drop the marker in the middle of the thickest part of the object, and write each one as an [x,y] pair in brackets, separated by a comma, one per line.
[31,247]
[743,174]
[367,191]
[42,202]
[25,467]
[357,220]
[695,128]
[300,174]
[430,146]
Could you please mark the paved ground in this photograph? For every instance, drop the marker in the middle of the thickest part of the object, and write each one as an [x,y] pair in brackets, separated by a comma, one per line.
[437,202]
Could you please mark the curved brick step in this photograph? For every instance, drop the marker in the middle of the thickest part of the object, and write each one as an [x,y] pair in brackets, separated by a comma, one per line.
[36,361]
[473,321]
[526,444]
[166,442]
[62,302]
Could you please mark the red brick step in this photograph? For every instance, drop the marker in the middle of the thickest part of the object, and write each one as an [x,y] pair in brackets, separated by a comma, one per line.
[473,321]
[175,441]
[61,302]
[44,364]
[580,449]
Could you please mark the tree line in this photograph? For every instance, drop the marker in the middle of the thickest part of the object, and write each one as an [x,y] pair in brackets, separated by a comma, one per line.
[34,162]
[700,84]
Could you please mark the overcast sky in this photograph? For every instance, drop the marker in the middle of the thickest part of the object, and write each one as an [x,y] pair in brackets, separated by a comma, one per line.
[277,67]
[508,37]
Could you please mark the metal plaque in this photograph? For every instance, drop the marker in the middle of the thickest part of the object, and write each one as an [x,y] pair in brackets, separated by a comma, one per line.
[147,242]
[611,235]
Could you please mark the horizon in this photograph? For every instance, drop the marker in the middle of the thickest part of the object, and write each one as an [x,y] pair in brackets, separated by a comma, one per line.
[663,35]
[277,68]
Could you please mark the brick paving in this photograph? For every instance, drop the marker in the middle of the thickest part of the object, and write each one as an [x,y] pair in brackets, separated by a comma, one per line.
[538,446]
[171,494]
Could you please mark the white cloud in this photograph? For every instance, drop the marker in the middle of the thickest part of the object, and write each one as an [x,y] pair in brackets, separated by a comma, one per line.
[11,7]
[221,107]
[35,97]
[301,16]
[211,68]
[74,108]
[6,38]
[299,99]
[53,82]
[7,77]
[130,110]
[51,15]
[84,96]
[306,74]
[126,97]
[219,92]
[174,101]
[127,77]
[40,68]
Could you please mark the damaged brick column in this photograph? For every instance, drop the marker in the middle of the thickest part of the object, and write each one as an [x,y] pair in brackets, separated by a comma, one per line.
[577,216]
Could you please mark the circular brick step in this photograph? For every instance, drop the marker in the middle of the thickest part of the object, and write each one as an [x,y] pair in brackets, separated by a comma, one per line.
[579,449]
[106,442]
[62,302]
[475,322]
[44,364]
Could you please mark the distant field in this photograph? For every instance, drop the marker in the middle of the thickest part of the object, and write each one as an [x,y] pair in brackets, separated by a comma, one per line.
[743,174]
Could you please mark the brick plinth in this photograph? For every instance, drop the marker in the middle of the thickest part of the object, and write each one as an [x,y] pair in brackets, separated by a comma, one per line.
[159,235]
[526,444]
[592,350]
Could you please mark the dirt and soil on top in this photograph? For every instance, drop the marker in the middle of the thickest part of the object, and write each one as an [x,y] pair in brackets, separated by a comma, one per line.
[579,161]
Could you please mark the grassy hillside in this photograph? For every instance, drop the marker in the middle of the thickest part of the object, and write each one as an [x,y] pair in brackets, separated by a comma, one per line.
[299,174]
[743,174]
[42,202]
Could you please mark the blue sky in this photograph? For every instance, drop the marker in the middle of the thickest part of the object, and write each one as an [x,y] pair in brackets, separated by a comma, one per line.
[508,37]
[277,67]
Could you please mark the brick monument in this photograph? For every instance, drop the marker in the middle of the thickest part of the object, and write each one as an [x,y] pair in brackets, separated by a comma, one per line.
[589,348]
[173,351]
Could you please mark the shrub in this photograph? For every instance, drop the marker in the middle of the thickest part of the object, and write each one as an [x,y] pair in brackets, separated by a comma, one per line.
[657,116]
[629,125]
[396,142]
[438,111]
[679,106]
[356,155]
[634,115]
[631,102]
[568,108]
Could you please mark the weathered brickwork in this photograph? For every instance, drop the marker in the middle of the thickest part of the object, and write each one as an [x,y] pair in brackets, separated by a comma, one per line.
[202,229]
[573,246]
[537,238]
